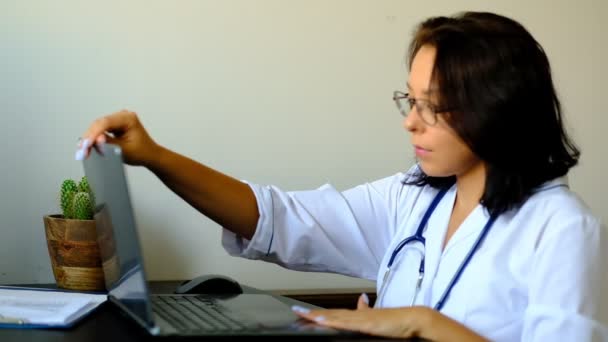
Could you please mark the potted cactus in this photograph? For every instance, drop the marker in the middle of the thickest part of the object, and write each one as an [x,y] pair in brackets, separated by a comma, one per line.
[72,239]
[76,200]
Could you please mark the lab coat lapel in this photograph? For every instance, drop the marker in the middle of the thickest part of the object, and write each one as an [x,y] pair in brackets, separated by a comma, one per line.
[435,234]
[473,224]
[450,261]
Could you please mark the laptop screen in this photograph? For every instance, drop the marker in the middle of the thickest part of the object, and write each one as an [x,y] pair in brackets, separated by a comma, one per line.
[116,232]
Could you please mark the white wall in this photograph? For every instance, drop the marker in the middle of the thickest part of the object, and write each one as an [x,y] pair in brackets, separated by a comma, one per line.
[293,93]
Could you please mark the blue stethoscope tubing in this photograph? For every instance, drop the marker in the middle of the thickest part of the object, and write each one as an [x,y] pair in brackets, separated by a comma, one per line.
[417,237]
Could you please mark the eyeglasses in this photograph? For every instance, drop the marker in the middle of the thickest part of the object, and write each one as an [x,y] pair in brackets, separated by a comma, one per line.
[426,110]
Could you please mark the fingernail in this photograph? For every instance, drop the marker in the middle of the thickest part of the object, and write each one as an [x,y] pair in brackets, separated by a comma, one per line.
[79,154]
[319,318]
[365,298]
[86,143]
[300,309]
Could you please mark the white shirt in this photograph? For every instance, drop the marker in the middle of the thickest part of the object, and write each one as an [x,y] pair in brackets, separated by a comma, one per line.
[539,275]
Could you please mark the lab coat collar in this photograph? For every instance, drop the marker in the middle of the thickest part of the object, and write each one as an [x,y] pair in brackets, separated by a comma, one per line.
[436,230]
[475,221]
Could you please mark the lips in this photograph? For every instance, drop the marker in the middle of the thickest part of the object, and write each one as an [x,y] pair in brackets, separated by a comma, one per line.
[420,151]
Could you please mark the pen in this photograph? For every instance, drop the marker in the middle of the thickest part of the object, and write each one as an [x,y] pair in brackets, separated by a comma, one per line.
[12,320]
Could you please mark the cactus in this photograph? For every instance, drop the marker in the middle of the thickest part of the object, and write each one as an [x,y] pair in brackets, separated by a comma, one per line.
[68,189]
[82,208]
[77,201]
[83,185]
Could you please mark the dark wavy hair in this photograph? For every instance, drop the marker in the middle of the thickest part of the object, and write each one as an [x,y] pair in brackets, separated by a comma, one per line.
[497,79]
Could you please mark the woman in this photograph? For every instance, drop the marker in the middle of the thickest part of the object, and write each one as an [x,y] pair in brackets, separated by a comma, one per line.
[481,239]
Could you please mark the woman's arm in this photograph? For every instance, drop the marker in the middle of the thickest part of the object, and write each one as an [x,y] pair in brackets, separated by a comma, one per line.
[439,327]
[226,200]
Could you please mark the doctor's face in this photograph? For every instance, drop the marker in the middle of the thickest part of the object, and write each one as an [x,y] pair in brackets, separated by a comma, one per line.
[438,148]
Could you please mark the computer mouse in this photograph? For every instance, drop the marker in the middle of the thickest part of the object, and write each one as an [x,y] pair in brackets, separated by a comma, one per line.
[210,283]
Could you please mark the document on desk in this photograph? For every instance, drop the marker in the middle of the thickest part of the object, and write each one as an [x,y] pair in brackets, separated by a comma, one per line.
[44,308]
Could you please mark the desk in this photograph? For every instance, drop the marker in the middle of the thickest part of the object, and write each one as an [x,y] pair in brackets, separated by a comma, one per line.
[107,324]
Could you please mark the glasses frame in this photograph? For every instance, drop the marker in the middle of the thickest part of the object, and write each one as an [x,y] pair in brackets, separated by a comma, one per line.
[422,106]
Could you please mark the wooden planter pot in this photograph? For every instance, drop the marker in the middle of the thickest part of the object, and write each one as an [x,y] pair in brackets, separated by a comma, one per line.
[74,253]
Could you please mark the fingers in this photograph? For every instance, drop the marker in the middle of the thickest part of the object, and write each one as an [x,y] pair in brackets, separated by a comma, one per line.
[312,315]
[117,122]
[83,148]
[101,140]
[102,130]
[334,318]
[363,302]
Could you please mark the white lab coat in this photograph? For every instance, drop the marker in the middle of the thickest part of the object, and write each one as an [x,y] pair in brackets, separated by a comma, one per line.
[539,275]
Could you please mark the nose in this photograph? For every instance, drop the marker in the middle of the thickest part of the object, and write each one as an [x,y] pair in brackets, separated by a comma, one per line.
[412,121]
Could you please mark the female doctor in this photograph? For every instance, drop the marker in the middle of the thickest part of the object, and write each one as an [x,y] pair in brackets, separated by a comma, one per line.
[481,239]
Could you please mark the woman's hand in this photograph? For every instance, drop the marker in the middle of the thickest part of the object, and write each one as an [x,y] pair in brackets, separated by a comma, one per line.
[124,129]
[406,322]
[393,322]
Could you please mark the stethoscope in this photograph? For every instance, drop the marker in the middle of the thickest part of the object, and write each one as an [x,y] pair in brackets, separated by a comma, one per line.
[418,238]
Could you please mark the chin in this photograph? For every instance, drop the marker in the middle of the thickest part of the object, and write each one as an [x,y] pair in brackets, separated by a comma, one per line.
[433,170]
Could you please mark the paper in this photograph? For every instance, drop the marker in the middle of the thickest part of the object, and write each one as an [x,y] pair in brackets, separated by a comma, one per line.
[45,307]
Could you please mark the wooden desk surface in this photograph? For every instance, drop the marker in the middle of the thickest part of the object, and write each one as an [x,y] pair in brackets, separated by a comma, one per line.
[344,298]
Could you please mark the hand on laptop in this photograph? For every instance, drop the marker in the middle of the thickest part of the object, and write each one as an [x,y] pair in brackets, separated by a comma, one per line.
[401,322]
[121,128]
[392,322]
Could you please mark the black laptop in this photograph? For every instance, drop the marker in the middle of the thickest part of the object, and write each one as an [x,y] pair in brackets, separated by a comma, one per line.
[172,314]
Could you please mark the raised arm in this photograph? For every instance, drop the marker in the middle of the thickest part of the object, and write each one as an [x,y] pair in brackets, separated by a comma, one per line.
[224,199]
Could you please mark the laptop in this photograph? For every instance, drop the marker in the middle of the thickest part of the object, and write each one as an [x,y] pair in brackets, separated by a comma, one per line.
[172,314]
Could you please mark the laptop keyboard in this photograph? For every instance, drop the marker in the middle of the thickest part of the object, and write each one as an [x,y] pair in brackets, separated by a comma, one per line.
[193,313]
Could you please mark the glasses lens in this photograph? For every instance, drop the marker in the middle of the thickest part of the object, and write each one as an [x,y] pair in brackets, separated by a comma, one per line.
[405,104]
[426,113]
[402,103]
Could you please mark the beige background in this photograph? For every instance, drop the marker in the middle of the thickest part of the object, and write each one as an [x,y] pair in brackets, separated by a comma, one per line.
[292,93]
